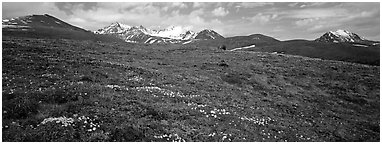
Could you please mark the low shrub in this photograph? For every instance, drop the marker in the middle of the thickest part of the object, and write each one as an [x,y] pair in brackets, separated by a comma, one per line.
[19,107]
[126,134]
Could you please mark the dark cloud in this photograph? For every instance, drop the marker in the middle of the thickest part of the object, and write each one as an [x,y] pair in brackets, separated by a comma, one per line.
[68,7]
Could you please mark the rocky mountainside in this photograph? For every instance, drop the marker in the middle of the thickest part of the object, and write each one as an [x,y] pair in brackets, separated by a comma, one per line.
[140,34]
[343,36]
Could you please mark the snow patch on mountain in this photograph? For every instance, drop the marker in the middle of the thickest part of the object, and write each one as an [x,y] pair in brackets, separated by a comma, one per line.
[130,41]
[187,42]
[174,32]
[342,33]
[359,45]
[246,47]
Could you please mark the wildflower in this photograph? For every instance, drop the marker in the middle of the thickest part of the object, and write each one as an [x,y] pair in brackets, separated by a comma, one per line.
[63,120]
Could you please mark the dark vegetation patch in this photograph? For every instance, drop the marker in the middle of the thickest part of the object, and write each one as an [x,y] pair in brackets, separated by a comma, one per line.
[65,90]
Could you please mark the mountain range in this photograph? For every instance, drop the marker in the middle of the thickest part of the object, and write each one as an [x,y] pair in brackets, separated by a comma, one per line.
[140,34]
[336,45]
[171,34]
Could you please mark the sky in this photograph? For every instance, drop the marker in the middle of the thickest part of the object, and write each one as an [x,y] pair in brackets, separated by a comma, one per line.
[281,20]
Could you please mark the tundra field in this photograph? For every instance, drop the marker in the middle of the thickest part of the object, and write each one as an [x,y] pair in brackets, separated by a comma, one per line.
[82,90]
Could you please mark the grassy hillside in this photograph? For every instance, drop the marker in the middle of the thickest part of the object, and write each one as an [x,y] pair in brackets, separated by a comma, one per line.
[330,51]
[71,90]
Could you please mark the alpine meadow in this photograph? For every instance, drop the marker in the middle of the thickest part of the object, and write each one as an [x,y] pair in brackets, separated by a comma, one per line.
[190,72]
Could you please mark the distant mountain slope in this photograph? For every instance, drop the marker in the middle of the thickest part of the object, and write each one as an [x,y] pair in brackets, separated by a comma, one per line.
[208,34]
[33,21]
[239,41]
[257,39]
[47,26]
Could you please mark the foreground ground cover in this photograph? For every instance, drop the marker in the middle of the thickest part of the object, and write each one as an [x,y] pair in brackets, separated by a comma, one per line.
[68,90]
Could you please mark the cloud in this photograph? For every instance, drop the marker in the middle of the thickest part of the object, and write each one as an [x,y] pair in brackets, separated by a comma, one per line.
[307,21]
[317,28]
[11,9]
[106,13]
[293,4]
[316,4]
[261,18]
[179,4]
[120,5]
[321,20]
[197,4]
[317,13]
[220,11]
[67,7]
[206,4]
[195,20]
[307,4]
[254,4]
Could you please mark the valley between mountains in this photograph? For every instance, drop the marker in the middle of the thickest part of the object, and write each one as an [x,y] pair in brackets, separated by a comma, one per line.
[61,84]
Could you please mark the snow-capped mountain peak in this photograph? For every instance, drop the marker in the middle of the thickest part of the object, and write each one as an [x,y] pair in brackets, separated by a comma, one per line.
[344,33]
[340,36]
[175,32]
[123,26]
[114,28]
